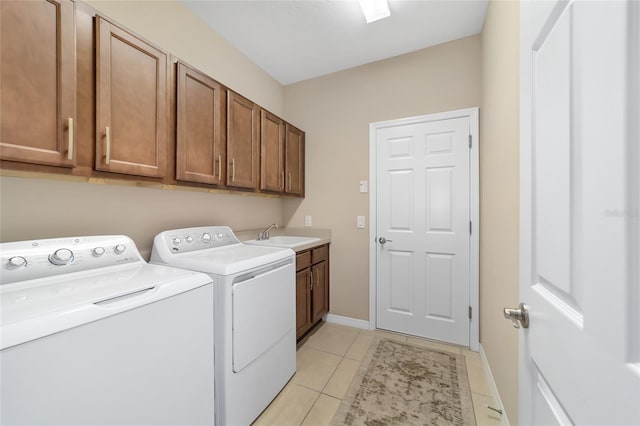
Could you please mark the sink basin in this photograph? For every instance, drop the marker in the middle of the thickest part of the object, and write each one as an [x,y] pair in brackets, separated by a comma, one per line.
[284,241]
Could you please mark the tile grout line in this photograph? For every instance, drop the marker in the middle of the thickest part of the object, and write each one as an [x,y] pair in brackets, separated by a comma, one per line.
[310,408]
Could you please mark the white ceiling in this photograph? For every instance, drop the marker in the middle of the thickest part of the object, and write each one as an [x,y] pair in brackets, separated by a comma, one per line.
[296,40]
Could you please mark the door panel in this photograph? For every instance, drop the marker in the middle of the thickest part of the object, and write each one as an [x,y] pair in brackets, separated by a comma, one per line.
[294,161]
[200,145]
[423,211]
[38,74]
[402,201]
[131,96]
[579,204]
[320,296]
[439,202]
[272,137]
[242,142]
[400,282]
[303,301]
[263,295]
[440,285]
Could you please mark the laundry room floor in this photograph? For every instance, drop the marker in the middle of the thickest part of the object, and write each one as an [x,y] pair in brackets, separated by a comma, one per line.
[327,362]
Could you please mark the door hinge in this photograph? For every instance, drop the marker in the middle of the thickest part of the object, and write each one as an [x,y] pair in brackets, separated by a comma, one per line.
[470,312]
[470,228]
[470,142]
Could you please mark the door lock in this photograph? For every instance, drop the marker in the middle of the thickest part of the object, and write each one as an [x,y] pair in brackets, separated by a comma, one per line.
[519,317]
[383,240]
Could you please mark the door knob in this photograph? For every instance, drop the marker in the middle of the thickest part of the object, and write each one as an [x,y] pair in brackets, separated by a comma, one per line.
[383,240]
[519,317]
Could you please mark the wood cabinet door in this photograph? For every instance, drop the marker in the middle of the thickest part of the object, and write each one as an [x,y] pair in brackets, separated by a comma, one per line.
[294,165]
[38,75]
[320,290]
[200,138]
[131,103]
[242,142]
[303,301]
[271,152]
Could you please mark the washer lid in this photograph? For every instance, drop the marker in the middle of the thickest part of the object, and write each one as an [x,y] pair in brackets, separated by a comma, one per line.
[226,260]
[40,307]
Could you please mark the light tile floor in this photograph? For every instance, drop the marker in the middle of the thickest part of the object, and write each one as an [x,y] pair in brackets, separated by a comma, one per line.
[327,362]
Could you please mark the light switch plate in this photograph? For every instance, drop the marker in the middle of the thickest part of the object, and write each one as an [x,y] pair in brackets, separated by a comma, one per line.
[364,186]
[307,221]
[360,222]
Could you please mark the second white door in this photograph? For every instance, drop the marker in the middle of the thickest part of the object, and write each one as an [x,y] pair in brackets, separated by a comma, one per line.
[423,228]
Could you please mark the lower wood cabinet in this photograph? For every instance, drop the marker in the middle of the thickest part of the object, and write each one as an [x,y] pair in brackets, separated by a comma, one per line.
[312,288]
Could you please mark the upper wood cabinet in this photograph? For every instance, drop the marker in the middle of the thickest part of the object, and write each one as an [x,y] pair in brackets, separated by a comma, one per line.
[131,103]
[294,164]
[38,79]
[201,116]
[242,141]
[272,129]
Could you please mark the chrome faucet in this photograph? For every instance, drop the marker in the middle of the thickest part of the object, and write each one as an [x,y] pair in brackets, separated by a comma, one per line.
[264,235]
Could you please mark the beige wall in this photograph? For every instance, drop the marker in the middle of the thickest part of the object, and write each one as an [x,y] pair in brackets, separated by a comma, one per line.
[335,110]
[172,27]
[40,208]
[37,208]
[499,196]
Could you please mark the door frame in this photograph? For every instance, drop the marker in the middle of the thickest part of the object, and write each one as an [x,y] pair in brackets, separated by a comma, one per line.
[474,213]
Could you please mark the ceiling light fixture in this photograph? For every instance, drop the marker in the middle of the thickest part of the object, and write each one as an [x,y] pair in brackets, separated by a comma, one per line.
[374,10]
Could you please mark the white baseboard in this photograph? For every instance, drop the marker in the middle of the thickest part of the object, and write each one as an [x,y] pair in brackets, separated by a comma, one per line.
[494,387]
[347,321]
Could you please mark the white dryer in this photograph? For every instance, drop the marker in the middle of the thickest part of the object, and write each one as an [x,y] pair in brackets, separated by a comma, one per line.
[255,314]
[92,334]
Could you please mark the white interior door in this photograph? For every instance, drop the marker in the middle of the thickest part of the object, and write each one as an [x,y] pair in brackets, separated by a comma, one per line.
[580,357]
[423,213]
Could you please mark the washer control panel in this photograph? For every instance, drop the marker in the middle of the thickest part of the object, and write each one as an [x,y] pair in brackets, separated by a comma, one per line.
[26,260]
[192,239]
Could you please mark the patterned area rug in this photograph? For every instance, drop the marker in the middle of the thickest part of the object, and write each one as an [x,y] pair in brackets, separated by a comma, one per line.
[402,384]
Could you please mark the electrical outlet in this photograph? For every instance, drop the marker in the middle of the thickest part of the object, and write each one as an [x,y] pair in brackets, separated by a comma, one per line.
[307,221]
[364,186]
[360,222]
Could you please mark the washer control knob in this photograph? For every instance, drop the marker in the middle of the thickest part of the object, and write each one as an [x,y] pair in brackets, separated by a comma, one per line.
[61,257]
[218,236]
[119,249]
[17,262]
[189,240]
[98,251]
[176,241]
[206,238]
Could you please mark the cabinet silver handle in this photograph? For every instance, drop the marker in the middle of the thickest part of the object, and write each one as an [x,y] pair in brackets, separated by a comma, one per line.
[219,167]
[311,282]
[70,147]
[289,181]
[282,180]
[233,170]
[107,154]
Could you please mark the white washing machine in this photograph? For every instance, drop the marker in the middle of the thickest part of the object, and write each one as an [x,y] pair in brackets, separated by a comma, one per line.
[255,314]
[91,334]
